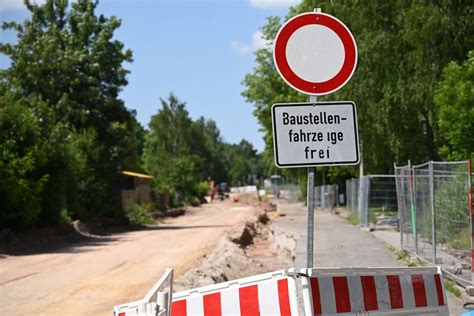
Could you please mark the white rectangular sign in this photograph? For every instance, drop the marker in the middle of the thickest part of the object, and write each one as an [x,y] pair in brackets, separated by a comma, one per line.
[315,134]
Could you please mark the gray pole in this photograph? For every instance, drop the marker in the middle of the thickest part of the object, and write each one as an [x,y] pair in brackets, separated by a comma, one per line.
[310,194]
[310,202]
[433,220]
[469,192]
[401,208]
[412,180]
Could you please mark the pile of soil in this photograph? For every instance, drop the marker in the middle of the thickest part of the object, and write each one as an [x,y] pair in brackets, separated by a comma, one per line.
[248,250]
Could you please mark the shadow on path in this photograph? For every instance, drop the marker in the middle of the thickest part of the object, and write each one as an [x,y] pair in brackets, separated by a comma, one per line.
[77,242]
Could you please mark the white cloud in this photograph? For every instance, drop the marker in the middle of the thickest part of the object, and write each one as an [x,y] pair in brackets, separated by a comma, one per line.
[240,48]
[273,4]
[257,42]
[16,5]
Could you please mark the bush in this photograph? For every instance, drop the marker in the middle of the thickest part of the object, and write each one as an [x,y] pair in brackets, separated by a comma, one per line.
[201,189]
[64,217]
[140,214]
[194,201]
[24,151]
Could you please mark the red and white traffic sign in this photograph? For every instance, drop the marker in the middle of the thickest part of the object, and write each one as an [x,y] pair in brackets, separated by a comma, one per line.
[315,53]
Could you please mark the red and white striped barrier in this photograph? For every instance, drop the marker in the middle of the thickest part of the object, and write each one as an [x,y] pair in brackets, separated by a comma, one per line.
[353,291]
[384,291]
[266,294]
[156,302]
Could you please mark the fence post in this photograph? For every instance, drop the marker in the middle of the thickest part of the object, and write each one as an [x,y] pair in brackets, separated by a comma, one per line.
[471,216]
[354,195]
[433,220]
[411,171]
[366,198]
[400,208]
[360,202]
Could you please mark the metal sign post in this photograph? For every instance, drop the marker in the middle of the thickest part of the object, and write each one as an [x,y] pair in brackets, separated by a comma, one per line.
[310,194]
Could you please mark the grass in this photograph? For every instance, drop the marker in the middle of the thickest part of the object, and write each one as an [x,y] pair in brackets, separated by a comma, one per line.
[452,288]
[462,240]
[376,211]
[403,255]
[373,212]
[353,219]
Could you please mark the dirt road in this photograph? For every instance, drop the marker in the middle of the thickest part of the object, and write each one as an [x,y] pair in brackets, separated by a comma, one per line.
[89,278]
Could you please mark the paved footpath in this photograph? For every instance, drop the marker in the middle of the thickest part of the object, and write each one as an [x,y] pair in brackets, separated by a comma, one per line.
[338,243]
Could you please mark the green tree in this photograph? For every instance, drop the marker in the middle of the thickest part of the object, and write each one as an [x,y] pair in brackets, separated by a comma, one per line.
[455,100]
[172,151]
[67,60]
[181,153]
[244,163]
[25,148]
[212,150]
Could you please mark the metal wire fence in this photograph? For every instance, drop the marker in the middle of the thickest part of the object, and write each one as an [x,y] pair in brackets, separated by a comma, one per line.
[406,204]
[290,192]
[371,197]
[435,203]
[352,198]
[326,196]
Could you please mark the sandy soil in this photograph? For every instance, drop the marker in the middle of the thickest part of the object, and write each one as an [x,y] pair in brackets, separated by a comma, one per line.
[90,277]
[261,252]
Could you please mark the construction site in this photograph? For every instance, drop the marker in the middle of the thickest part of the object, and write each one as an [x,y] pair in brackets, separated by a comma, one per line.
[252,157]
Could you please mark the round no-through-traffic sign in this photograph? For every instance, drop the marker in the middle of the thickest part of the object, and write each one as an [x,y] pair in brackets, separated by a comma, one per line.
[315,53]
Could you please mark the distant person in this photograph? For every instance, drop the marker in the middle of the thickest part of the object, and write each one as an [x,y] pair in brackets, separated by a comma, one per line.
[215,190]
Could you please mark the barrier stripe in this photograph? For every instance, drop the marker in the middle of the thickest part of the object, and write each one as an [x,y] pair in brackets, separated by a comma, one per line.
[316,296]
[195,305]
[430,290]
[268,298]
[230,301]
[121,314]
[212,304]
[370,293]
[341,291]
[178,308]
[407,291]
[356,293]
[383,295]
[249,301]
[328,299]
[395,291]
[439,289]
[284,297]
[419,290]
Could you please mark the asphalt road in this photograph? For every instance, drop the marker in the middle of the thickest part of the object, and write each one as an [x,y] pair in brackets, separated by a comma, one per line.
[338,243]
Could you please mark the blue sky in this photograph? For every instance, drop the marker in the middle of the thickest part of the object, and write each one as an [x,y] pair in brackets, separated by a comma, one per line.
[199,50]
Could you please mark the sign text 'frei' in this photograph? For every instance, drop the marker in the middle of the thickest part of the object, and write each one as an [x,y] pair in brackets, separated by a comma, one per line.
[322,133]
